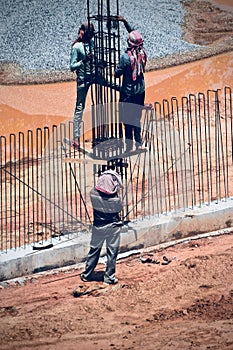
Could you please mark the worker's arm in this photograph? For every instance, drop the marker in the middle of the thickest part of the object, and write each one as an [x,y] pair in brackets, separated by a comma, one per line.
[121,66]
[79,57]
[128,27]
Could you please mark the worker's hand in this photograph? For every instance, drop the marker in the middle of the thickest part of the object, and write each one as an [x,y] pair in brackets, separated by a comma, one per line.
[102,64]
[87,58]
[121,19]
[112,21]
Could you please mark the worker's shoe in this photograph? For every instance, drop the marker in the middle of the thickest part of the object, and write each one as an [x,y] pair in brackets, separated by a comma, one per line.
[75,144]
[139,146]
[83,278]
[148,106]
[110,281]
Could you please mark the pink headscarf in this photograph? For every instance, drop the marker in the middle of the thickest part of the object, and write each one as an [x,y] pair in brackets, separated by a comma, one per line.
[109,182]
[137,53]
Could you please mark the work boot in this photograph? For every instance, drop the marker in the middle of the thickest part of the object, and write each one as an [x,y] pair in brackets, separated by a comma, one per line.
[83,278]
[75,144]
[113,280]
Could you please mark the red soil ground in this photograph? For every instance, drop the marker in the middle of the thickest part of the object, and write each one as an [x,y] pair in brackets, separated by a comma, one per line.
[187,304]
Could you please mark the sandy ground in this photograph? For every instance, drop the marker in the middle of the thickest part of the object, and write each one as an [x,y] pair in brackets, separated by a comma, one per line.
[29,107]
[184,305]
[187,304]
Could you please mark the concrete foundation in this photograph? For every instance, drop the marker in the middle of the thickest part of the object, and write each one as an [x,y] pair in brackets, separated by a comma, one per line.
[144,233]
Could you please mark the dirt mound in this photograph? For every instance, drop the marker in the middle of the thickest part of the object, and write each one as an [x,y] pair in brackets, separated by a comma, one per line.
[205,23]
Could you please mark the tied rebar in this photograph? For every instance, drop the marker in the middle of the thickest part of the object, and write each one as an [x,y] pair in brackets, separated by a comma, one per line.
[45,184]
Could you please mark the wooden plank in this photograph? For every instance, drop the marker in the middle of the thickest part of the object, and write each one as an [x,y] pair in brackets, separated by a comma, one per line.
[84,160]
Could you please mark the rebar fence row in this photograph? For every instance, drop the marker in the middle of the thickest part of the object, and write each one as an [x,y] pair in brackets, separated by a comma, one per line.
[187,162]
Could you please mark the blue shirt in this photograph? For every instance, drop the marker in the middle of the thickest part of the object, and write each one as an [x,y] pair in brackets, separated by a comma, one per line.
[84,71]
[129,87]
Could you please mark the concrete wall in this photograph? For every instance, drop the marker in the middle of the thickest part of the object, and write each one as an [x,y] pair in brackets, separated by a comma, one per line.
[139,234]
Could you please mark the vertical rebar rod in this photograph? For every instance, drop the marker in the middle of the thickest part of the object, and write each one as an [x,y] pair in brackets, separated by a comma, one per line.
[201,114]
[171,119]
[187,169]
[155,151]
[37,177]
[221,150]
[179,179]
[158,121]
[209,143]
[165,155]
[197,148]
[2,195]
[12,136]
[33,182]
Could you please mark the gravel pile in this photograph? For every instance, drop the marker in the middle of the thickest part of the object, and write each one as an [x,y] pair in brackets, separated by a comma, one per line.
[38,34]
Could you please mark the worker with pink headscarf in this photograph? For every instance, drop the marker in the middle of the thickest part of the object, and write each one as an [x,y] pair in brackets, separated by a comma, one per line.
[132,95]
[107,223]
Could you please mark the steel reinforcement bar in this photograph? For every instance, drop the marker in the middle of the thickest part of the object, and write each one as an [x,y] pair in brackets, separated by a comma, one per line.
[187,162]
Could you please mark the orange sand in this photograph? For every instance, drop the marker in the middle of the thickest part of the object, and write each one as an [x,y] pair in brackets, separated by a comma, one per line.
[27,107]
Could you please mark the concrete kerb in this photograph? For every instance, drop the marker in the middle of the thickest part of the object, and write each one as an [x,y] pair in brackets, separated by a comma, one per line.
[139,234]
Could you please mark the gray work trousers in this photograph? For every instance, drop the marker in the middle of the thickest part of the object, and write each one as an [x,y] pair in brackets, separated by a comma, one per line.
[82,91]
[99,235]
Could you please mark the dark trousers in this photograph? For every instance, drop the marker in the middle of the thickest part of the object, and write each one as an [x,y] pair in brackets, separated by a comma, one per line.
[130,115]
[82,90]
[99,236]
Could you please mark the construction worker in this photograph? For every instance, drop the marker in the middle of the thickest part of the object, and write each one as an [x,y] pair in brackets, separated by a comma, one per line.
[81,62]
[132,94]
[107,224]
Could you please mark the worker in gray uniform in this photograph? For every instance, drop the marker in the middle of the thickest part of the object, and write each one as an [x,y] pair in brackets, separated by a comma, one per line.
[107,205]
